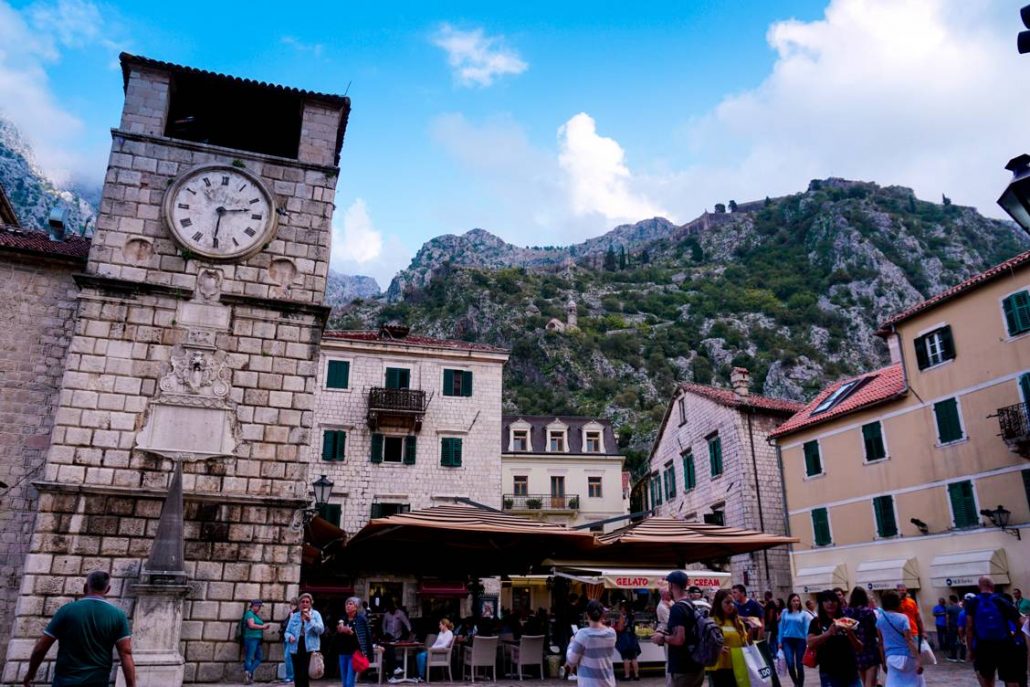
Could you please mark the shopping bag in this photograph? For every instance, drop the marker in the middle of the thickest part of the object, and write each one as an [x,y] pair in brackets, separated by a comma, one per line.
[359,662]
[781,663]
[810,660]
[926,653]
[316,668]
[759,674]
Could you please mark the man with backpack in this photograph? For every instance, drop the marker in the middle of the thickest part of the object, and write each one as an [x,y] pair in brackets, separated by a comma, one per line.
[992,647]
[693,640]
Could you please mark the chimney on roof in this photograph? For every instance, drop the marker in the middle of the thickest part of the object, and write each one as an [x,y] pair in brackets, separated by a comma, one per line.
[393,330]
[57,221]
[740,380]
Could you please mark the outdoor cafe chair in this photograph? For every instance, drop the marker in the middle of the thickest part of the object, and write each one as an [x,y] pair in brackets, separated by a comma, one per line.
[375,661]
[482,654]
[528,652]
[430,640]
[439,658]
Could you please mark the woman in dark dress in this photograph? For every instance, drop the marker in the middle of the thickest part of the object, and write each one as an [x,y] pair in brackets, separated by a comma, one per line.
[627,643]
[836,647]
[869,657]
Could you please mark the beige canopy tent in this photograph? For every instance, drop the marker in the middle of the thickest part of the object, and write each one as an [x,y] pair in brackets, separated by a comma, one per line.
[673,543]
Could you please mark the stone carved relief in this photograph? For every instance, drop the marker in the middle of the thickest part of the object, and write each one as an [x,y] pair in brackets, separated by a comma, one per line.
[138,250]
[200,338]
[282,272]
[197,373]
[209,285]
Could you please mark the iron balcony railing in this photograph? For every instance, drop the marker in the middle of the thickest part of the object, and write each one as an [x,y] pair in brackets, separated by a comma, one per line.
[397,400]
[566,502]
[1015,422]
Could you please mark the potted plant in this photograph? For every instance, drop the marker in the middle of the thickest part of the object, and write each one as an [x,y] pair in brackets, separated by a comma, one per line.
[534,504]
[509,504]
[574,503]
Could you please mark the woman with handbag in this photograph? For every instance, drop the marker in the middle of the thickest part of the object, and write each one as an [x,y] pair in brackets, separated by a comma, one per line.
[627,643]
[304,639]
[354,642]
[832,638]
[794,622]
[900,654]
[735,637]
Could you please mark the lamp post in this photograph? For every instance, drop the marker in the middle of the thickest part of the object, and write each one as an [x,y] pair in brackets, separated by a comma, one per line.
[999,517]
[1016,198]
[323,488]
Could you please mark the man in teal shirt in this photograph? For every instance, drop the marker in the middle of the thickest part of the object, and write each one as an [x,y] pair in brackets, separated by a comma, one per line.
[86,631]
[1022,603]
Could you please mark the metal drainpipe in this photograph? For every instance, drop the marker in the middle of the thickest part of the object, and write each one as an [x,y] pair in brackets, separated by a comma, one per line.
[758,492]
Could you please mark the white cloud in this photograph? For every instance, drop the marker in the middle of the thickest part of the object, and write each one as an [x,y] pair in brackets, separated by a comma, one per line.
[314,49]
[32,40]
[360,248]
[598,179]
[475,58]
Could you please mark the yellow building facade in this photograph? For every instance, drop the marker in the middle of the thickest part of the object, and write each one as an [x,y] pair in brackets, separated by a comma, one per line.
[887,474]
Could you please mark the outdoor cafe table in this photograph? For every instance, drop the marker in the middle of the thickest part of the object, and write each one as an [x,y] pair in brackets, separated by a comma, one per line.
[406,647]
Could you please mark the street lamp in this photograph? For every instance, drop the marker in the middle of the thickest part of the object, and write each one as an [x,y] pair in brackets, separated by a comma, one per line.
[323,488]
[1016,198]
[999,517]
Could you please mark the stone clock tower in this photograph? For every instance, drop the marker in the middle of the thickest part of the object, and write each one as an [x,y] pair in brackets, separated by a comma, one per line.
[196,340]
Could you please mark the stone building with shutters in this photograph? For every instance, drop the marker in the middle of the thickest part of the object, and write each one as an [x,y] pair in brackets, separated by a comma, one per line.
[712,462]
[901,475]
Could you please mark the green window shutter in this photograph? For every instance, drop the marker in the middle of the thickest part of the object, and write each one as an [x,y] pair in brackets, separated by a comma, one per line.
[813,462]
[672,482]
[821,527]
[330,512]
[404,379]
[377,510]
[715,455]
[450,452]
[949,428]
[377,449]
[963,504]
[922,358]
[456,453]
[1024,386]
[1017,312]
[872,436]
[448,382]
[886,525]
[410,446]
[947,343]
[328,445]
[466,383]
[392,378]
[338,375]
[692,474]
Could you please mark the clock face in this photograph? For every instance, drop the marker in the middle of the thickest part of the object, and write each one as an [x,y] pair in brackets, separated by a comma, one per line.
[220,212]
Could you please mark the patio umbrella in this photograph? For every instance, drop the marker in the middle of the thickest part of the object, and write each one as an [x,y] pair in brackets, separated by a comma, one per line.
[673,543]
[460,540]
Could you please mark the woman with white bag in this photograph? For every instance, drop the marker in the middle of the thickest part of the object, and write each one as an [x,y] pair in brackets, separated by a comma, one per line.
[900,655]
[741,663]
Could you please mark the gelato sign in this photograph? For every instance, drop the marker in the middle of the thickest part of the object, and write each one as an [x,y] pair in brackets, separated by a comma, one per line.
[627,580]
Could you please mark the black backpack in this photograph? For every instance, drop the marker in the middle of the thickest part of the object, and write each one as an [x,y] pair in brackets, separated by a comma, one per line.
[704,640]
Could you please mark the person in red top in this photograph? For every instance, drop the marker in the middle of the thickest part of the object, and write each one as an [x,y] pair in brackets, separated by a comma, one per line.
[911,609]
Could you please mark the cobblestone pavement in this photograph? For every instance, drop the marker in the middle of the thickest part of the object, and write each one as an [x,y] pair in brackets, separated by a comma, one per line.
[943,675]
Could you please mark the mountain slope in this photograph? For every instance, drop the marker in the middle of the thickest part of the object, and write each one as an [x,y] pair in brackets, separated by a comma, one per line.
[791,288]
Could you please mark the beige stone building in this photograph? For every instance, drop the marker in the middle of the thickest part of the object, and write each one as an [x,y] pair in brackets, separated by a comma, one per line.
[564,469]
[888,474]
[712,461]
[189,334]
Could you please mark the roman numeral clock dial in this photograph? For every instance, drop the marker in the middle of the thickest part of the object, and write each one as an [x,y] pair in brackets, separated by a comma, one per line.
[220,212]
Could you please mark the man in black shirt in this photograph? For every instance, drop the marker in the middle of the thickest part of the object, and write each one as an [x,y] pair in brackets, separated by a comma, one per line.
[680,670]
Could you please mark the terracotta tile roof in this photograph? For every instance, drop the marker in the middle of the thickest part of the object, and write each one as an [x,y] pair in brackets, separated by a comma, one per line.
[877,387]
[410,340]
[40,243]
[1000,270]
[731,399]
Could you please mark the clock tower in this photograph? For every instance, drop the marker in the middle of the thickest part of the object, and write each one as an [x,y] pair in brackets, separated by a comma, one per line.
[195,350]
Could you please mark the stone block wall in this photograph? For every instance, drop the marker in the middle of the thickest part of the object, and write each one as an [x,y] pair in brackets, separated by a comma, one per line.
[37,301]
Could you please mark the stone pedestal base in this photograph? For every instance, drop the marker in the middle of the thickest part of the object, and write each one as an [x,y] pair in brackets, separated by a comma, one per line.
[156,628]
[156,670]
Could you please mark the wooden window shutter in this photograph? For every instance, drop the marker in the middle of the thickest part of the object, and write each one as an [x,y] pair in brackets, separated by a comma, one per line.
[448,382]
[947,343]
[392,378]
[404,379]
[377,448]
[1017,312]
[886,526]
[466,383]
[328,445]
[338,376]
[949,428]
[963,504]
[821,527]
[872,435]
[1024,386]
[456,453]
[410,446]
[813,463]
[922,357]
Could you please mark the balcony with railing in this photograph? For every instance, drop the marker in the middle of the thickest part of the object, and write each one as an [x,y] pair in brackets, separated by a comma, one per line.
[1015,427]
[530,503]
[396,408]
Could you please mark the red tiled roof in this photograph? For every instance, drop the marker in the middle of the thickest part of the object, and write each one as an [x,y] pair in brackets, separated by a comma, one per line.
[882,385]
[731,399]
[40,243]
[423,341]
[999,270]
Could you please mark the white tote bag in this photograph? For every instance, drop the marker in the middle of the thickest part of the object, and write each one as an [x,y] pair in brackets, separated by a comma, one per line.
[758,672]
[927,653]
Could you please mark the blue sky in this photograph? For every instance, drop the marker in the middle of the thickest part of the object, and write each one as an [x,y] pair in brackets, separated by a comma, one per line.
[547,123]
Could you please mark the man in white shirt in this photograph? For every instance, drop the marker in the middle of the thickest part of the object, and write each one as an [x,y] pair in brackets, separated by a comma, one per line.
[396,626]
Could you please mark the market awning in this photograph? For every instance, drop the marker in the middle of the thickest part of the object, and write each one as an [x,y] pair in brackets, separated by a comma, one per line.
[528,580]
[640,578]
[815,579]
[457,541]
[888,574]
[964,568]
[440,588]
[665,541]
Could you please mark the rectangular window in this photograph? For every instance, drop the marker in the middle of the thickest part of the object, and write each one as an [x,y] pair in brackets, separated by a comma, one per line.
[716,517]
[398,378]
[385,510]
[821,527]
[330,512]
[557,485]
[450,452]
[934,348]
[337,374]
[949,425]
[1024,387]
[520,440]
[656,490]
[393,449]
[334,444]
[520,487]
[1017,312]
[593,442]
[963,504]
[689,474]
[594,487]
[670,482]
[813,461]
[683,410]
[715,455]
[556,442]
[886,524]
[872,437]
[457,383]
